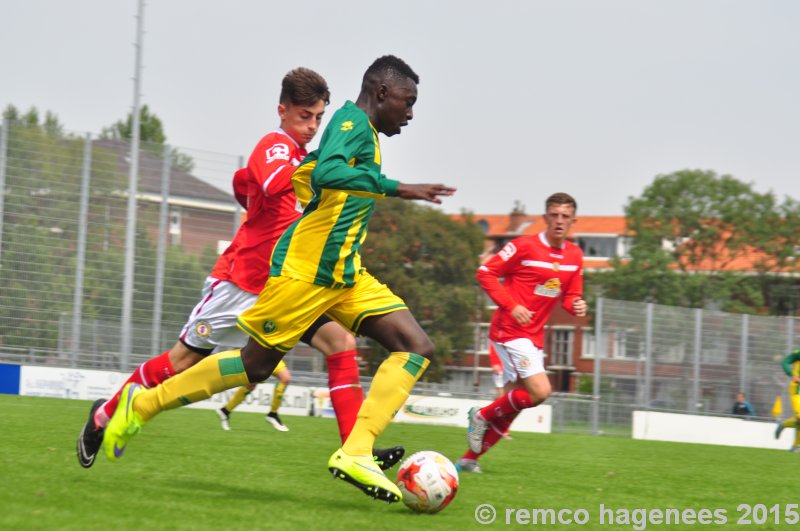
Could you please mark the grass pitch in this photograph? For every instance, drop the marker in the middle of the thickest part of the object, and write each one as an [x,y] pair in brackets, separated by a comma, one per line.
[184,472]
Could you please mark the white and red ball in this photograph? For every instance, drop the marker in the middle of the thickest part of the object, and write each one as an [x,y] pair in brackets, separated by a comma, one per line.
[428,481]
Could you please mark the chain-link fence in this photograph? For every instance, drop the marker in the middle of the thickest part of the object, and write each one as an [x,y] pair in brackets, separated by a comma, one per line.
[686,360]
[69,297]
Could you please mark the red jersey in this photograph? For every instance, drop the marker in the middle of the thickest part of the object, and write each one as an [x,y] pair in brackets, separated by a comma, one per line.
[271,208]
[535,275]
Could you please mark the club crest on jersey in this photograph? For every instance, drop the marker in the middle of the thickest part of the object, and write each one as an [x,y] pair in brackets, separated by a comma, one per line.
[347,126]
[202,329]
[507,252]
[551,288]
[269,326]
[278,152]
[556,266]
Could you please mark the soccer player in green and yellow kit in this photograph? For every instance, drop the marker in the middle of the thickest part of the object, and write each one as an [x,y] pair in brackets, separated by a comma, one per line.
[791,366]
[316,269]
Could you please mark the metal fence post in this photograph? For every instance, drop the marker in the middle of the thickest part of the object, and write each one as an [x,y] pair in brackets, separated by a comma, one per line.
[743,354]
[126,320]
[648,353]
[698,346]
[80,258]
[599,354]
[789,334]
[3,164]
[161,253]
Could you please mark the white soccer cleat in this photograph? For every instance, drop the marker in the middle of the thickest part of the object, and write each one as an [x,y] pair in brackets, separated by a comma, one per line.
[224,420]
[476,430]
[468,465]
[275,420]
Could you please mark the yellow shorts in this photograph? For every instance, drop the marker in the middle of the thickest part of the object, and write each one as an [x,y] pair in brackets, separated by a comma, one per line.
[287,307]
[281,366]
[796,404]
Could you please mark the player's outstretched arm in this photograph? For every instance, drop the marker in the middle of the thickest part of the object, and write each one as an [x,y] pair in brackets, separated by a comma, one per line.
[426,192]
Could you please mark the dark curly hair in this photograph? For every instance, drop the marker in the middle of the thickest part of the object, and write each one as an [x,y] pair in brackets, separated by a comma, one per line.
[389,66]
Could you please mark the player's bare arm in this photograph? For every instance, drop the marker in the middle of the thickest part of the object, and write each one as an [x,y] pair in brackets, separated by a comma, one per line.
[426,192]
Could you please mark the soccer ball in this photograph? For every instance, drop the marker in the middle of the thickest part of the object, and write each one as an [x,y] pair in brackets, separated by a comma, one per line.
[428,481]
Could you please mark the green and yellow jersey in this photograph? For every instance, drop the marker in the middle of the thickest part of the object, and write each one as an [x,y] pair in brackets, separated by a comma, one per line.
[791,366]
[337,184]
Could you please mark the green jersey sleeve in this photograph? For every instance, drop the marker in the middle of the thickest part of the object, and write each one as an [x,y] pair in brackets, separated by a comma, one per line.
[789,360]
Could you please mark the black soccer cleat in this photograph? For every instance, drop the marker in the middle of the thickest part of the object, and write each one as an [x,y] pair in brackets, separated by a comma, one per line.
[386,458]
[90,438]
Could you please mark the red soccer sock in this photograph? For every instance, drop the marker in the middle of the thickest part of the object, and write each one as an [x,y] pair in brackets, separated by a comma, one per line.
[345,388]
[512,402]
[497,428]
[149,374]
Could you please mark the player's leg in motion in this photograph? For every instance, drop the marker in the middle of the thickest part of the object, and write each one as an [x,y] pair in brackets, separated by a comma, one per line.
[339,347]
[236,398]
[488,425]
[284,377]
[215,373]
[148,374]
[409,348]
[793,422]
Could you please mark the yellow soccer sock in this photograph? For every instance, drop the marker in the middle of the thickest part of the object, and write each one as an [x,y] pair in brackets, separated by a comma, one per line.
[213,374]
[389,391]
[796,438]
[277,397]
[238,397]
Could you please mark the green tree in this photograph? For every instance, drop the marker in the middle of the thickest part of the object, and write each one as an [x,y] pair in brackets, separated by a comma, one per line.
[151,134]
[689,229]
[40,233]
[429,260]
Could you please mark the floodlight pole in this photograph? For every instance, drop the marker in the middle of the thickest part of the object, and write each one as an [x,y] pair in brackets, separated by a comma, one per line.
[126,323]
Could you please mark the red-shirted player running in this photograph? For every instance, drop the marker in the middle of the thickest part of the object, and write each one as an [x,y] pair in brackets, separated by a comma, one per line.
[537,271]
[265,189]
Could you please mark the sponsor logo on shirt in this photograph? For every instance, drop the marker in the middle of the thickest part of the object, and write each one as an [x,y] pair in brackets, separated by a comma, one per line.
[551,288]
[507,252]
[278,152]
[559,256]
[202,329]
[347,126]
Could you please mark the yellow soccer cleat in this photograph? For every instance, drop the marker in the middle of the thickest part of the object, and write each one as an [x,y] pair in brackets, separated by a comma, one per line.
[364,473]
[124,424]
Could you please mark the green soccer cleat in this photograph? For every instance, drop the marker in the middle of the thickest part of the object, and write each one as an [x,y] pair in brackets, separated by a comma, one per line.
[124,424]
[362,472]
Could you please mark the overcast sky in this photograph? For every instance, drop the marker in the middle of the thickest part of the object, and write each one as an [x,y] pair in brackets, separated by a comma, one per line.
[518,99]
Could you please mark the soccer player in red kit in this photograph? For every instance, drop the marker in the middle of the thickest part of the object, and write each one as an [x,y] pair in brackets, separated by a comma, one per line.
[265,189]
[537,271]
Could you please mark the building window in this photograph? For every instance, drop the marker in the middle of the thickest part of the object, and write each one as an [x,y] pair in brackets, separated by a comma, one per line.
[175,226]
[483,337]
[561,347]
[588,345]
[598,246]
